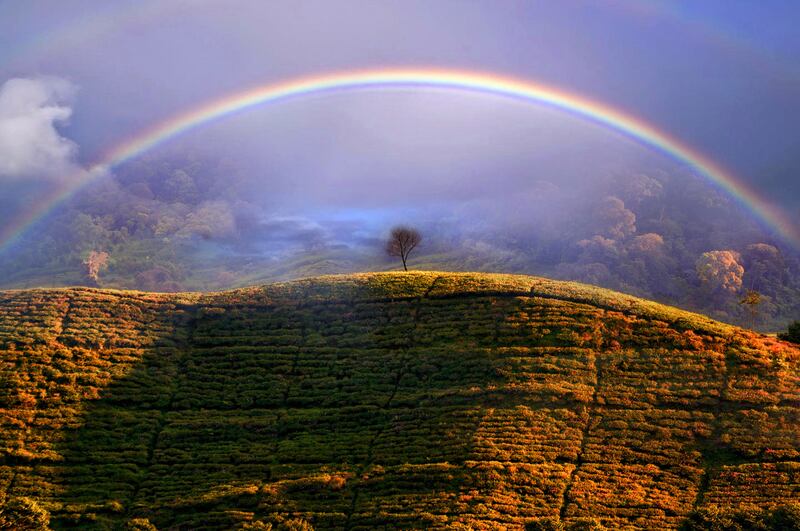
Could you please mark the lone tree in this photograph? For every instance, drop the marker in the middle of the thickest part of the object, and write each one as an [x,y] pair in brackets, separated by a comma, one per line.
[402,241]
[751,301]
[94,263]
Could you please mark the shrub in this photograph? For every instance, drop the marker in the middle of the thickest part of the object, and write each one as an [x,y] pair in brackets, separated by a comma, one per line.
[586,524]
[140,524]
[792,334]
[434,397]
[295,524]
[24,514]
[745,518]
[786,518]
[545,524]
[257,525]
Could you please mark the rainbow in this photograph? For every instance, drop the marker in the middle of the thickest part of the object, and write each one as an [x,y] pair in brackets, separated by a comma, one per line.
[484,83]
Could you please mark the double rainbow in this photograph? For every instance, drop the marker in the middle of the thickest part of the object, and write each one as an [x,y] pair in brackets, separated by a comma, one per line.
[492,84]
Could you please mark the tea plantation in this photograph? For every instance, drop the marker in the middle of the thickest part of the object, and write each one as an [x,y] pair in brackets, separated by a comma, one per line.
[418,400]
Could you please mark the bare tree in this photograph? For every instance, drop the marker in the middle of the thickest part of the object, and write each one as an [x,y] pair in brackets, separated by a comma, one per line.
[402,241]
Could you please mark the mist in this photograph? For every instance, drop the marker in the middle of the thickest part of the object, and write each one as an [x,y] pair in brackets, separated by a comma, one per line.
[313,185]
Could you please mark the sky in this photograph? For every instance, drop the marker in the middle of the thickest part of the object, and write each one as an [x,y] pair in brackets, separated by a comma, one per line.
[79,77]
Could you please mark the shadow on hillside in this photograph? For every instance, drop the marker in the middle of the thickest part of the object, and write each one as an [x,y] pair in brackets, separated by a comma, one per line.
[407,412]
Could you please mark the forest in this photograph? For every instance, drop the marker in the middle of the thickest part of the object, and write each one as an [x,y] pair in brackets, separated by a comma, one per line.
[182,222]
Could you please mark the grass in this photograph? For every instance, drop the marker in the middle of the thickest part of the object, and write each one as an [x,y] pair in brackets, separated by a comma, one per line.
[451,400]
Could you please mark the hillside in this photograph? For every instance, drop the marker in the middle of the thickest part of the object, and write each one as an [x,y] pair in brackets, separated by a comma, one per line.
[403,400]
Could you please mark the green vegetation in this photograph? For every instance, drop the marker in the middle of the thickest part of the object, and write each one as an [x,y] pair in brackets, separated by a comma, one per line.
[435,400]
[792,334]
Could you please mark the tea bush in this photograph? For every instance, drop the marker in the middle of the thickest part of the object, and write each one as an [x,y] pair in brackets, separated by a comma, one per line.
[419,400]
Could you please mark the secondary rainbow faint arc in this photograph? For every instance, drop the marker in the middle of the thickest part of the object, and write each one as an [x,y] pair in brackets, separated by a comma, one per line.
[426,78]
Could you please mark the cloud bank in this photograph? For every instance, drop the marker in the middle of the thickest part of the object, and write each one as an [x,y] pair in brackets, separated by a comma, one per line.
[31,146]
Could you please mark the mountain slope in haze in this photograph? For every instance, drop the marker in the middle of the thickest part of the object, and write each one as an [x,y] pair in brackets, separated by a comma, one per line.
[418,400]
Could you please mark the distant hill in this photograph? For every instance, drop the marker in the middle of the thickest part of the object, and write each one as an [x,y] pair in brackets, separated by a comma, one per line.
[423,400]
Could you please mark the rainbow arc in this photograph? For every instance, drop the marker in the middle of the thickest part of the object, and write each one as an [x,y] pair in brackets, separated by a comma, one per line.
[484,83]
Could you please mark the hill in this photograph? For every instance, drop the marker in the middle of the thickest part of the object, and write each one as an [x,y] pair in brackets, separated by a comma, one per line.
[403,400]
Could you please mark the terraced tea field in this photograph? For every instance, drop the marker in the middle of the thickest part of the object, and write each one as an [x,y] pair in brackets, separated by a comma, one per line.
[421,400]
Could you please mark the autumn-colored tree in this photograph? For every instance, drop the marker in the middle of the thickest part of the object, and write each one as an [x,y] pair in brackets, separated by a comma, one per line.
[647,244]
[95,262]
[720,270]
[402,240]
[614,219]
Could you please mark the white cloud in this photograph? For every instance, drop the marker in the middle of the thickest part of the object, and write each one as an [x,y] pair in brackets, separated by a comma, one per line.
[31,147]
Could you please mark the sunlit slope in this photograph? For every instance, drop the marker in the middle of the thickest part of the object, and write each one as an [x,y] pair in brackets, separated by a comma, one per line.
[420,400]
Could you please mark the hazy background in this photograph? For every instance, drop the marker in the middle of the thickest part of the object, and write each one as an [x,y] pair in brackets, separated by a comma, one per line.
[312,185]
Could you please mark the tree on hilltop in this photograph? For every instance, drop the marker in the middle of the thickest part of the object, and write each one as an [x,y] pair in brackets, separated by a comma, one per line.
[402,240]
